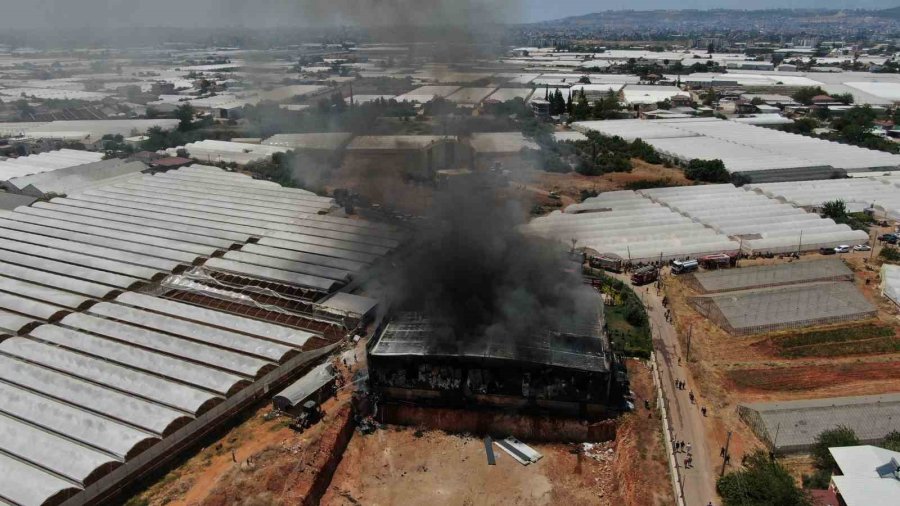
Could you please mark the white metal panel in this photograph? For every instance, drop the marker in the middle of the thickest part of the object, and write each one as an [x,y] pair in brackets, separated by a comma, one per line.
[291,337]
[277,275]
[98,432]
[28,485]
[41,293]
[73,241]
[89,397]
[101,371]
[202,333]
[74,461]
[236,363]
[161,245]
[299,256]
[117,222]
[68,269]
[81,249]
[142,360]
[54,280]
[318,249]
[288,265]
[29,307]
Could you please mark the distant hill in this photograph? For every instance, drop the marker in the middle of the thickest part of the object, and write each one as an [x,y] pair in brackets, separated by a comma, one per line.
[893,13]
[711,16]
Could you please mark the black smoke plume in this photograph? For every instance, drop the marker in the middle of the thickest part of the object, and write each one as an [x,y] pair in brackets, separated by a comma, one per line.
[470,268]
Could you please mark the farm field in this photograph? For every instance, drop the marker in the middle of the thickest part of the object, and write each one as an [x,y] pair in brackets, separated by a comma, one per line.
[860,358]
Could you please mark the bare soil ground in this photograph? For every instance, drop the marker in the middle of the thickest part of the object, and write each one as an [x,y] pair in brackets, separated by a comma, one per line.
[641,467]
[259,462]
[571,184]
[728,370]
[403,465]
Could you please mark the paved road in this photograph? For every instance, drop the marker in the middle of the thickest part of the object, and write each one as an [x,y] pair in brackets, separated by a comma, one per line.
[686,419]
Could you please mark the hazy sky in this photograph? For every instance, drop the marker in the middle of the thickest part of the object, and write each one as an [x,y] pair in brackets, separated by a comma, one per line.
[79,13]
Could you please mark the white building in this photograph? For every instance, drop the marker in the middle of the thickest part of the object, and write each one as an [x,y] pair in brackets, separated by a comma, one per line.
[870,476]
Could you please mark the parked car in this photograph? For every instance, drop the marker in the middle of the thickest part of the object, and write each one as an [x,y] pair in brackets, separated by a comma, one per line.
[889,238]
[862,247]
[827,251]
[843,248]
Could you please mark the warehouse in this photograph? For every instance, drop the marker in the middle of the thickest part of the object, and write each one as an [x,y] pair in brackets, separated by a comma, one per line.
[567,371]
[761,224]
[625,224]
[415,156]
[759,154]
[506,150]
[314,152]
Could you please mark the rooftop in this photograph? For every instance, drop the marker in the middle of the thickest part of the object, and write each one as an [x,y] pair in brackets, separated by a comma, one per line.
[576,347]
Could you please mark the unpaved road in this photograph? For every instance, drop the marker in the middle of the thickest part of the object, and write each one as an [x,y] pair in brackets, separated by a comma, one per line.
[688,423]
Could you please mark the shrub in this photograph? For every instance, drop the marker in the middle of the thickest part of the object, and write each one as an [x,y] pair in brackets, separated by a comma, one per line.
[762,481]
[709,171]
[892,441]
[889,254]
[838,436]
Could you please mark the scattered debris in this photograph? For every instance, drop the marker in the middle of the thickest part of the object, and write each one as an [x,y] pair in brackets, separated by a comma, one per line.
[519,450]
[489,449]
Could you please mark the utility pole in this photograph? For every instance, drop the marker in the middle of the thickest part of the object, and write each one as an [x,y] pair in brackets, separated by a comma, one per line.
[725,455]
[872,251]
[800,245]
[690,334]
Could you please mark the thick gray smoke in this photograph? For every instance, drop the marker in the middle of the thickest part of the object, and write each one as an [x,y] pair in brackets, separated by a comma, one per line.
[471,269]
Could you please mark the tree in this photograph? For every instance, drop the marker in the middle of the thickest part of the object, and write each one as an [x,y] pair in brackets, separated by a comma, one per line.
[838,436]
[836,210]
[762,482]
[709,171]
[805,94]
[582,109]
[184,113]
[844,98]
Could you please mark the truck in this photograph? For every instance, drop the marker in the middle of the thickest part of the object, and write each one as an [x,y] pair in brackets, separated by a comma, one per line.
[684,266]
[607,263]
[717,261]
[644,275]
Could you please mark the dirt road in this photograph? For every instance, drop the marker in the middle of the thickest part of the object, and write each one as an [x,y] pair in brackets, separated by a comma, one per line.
[687,420]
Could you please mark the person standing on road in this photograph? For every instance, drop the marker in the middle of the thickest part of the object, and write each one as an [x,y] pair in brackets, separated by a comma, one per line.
[688,446]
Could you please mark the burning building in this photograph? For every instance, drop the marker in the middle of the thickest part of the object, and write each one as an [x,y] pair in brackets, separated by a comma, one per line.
[488,317]
[569,370]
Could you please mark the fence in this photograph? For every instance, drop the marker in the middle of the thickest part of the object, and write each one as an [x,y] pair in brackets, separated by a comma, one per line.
[661,401]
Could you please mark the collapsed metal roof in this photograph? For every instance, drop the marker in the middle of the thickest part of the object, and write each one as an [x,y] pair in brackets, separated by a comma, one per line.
[574,346]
